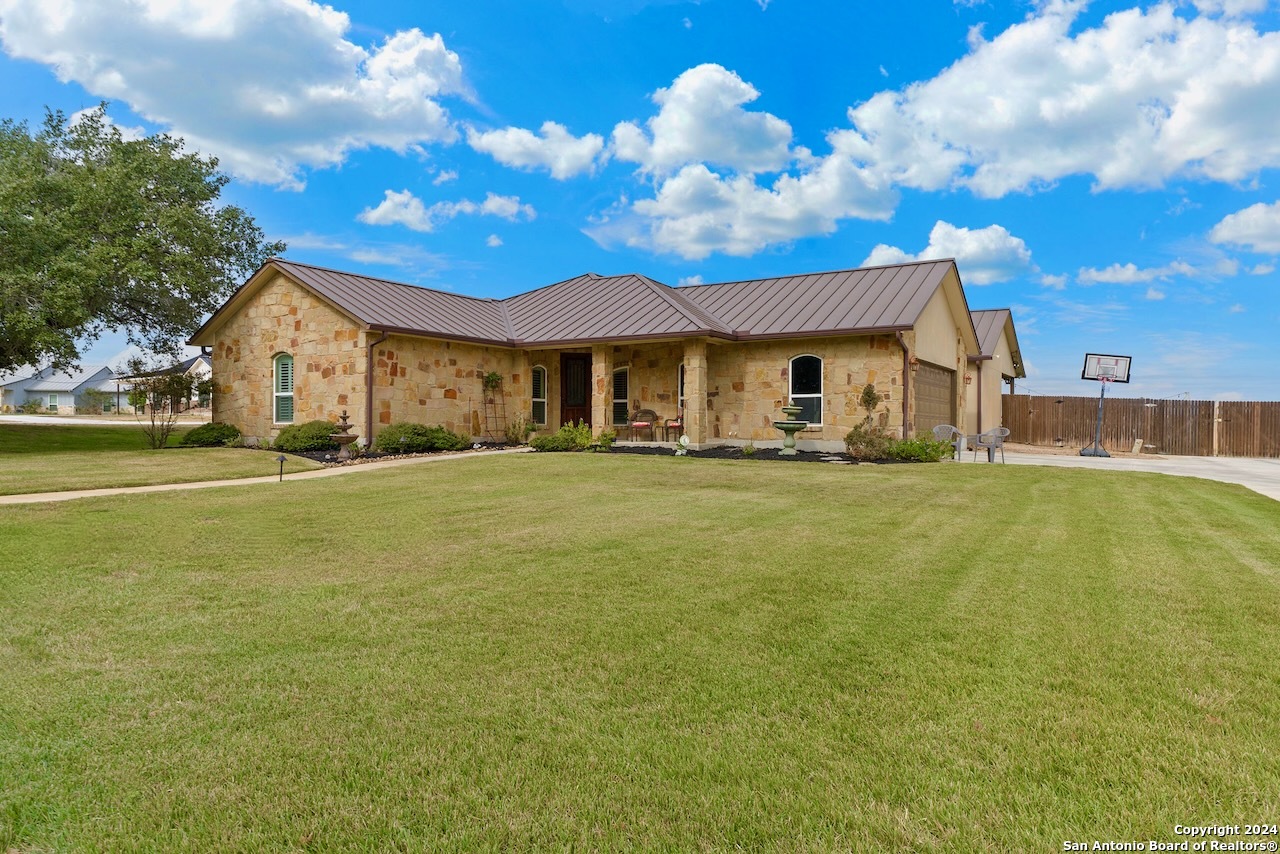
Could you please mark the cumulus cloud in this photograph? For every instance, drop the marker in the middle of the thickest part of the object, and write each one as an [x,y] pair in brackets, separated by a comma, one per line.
[1132,274]
[493,241]
[984,255]
[281,87]
[445,177]
[404,208]
[701,120]
[1256,228]
[554,149]
[1146,96]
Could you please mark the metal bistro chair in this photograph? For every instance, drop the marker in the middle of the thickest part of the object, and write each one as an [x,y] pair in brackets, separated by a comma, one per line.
[991,440]
[644,419]
[951,435]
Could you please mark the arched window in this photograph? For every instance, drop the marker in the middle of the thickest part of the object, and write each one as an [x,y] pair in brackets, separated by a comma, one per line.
[806,388]
[283,384]
[539,383]
[621,397]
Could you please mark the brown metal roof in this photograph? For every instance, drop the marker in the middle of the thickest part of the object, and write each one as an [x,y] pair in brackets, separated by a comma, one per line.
[989,323]
[873,298]
[591,308]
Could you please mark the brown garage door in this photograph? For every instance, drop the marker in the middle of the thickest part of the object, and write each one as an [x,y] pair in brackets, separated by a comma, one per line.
[935,397]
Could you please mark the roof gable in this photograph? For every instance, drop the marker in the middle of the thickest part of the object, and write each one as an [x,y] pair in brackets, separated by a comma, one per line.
[990,324]
[592,308]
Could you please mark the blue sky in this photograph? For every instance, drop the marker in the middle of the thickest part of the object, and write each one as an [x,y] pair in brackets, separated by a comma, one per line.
[1109,171]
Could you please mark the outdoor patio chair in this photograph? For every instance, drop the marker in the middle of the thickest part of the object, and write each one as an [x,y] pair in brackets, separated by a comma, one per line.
[644,419]
[992,439]
[673,425]
[951,435]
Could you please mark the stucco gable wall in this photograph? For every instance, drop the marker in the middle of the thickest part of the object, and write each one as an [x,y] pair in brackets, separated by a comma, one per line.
[992,387]
[326,346]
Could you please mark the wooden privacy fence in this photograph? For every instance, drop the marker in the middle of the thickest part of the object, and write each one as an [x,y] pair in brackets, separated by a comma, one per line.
[1228,428]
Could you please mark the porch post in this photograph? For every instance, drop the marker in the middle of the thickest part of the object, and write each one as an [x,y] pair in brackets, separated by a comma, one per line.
[695,391]
[602,388]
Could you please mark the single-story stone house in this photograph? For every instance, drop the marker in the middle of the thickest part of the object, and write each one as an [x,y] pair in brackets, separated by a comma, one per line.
[298,342]
[998,361]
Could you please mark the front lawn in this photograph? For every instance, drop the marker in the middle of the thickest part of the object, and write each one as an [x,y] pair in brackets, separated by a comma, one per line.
[55,458]
[540,651]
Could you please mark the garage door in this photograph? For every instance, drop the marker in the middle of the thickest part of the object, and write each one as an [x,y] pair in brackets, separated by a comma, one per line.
[935,397]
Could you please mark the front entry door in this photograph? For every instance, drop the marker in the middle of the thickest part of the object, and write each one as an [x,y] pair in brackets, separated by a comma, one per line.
[575,388]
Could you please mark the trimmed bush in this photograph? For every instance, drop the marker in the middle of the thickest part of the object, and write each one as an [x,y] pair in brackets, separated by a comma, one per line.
[418,439]
[215,434]
[865,442]
[311,436]
[567,438]
[921,450]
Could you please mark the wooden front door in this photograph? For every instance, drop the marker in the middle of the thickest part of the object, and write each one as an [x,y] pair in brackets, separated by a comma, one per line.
[575,388]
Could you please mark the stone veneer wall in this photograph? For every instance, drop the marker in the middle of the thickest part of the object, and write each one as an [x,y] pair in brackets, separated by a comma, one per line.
[328,361]
[748,385]
[653,376]
[429,381]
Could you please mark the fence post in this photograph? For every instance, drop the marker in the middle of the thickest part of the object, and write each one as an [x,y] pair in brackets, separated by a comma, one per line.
[1216,421]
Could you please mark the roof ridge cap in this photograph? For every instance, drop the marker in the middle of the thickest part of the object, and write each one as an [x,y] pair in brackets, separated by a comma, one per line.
[686,307]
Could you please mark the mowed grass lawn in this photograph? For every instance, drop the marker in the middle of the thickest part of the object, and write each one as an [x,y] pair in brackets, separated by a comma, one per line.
[543,652]
[57,457]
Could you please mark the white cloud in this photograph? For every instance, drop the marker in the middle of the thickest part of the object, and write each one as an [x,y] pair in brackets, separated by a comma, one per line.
[688,25]
[1132,274]
[1236,309]
[701,120]
[1256,228]
[493,241]
[1263,270]
[1230,8]
[1155,294]
[1053,281]
[404,208]
[445,177]
[984,255]
[1142,98]
[689,280]
[555,149]
[281,87]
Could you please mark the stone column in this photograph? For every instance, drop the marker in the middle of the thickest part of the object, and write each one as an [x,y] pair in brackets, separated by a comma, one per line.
[695,391]
[601,388]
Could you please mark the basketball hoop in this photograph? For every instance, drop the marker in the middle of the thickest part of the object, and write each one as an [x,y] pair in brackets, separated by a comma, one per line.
[1103,369]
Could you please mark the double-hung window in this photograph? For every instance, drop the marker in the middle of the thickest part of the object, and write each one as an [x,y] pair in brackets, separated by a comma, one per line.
[806,388]
[539,414]
[621,397]
[283,403]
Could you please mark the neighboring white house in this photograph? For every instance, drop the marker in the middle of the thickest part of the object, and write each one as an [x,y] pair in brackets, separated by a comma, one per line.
[56,392]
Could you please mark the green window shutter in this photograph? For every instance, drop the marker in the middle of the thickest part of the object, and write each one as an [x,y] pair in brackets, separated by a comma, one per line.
[284,374]
[284,408]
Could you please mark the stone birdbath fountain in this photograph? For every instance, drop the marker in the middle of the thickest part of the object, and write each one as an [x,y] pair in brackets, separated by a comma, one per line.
[343,437]
[790,427]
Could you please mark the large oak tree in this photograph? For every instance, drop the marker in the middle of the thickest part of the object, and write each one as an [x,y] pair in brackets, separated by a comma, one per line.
[99,232]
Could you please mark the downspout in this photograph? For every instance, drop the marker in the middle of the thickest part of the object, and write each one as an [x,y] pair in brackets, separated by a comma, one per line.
[368,392]
[906,384]
[980,397]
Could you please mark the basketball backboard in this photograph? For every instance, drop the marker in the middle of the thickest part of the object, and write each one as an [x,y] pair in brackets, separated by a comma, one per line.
[1104,368]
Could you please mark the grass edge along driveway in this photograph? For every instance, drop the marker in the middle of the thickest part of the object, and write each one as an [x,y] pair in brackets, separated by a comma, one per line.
[545,651]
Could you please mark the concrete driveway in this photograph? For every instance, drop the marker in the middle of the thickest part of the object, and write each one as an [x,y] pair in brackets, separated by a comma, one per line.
[1260,475]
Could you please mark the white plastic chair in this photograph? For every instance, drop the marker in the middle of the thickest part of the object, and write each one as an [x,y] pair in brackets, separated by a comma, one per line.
[952,435]
[991,440]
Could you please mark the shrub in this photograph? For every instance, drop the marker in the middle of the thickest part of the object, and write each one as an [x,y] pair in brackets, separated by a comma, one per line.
[866,442]
[607,438]
[568,438]
[31,407]
[311,436]
[215,434]
[410,438]
[920,449]
[518,431]
[749,450]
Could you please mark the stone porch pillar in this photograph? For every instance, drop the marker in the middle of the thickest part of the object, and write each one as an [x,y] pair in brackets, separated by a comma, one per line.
[601,388]
[695,391]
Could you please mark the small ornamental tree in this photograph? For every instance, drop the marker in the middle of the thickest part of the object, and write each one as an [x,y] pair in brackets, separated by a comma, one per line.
[163,395]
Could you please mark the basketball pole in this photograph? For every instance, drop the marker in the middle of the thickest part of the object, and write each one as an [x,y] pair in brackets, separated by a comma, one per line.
[1096,450]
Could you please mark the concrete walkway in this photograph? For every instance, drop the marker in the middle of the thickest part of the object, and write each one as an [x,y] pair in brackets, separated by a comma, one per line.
[1260,475]
[39,497]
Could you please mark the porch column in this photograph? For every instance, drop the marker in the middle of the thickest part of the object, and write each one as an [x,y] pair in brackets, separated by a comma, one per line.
[695,391]
[602,388]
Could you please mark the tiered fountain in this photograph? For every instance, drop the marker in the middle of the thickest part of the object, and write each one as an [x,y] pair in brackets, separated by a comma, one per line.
[343,437]
[790,427]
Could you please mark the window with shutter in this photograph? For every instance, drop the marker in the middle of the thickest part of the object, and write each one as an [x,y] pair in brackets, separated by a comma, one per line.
[283,389]
[539,383]
[621,397]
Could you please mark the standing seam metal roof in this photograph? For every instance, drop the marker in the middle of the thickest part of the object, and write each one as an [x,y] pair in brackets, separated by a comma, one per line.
[593,308]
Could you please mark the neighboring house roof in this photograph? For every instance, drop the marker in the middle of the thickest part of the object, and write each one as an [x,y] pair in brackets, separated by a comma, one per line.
[8,378]
[989,324]
[592,308]
[69,380]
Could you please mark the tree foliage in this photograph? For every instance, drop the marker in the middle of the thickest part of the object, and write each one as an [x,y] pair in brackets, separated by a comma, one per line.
[162,395]
[99,232]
